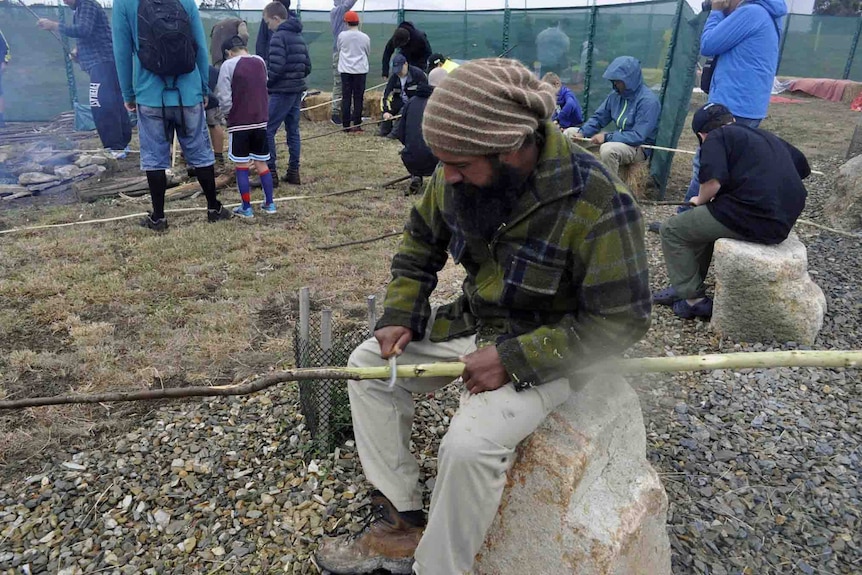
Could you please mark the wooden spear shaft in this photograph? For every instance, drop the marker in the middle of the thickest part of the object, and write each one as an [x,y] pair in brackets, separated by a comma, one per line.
[739,360]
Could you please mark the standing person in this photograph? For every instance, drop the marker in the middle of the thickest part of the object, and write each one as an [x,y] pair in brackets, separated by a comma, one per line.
[556,278]
[241,91]
[264,35]
[354,50]
[416,155]
[568,113]
[552,49]
[96,57]
[633,108]
[744,39]
[402,86]
[222,31]
[166,82]
[5,58]
[750,189]
[215,118]
[289,65]
[339,10]
[412,42]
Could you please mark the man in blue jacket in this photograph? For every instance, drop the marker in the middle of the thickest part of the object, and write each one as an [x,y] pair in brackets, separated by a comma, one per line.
[163,111]
[635,110]
[745,38]
[96,57]
[288,66]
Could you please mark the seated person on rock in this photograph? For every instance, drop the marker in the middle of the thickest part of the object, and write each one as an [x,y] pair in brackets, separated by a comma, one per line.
[416,155]
[568,113]
[750,189]
[634,109]
[556,277]
[402,86]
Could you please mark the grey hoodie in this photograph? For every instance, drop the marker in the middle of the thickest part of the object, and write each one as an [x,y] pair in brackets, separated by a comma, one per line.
[336,19]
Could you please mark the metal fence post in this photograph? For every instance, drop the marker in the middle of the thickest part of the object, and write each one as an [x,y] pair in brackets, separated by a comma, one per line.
[783,40]
[852,49]
[400,11]
[594,11]
[372,314]
[671,48]
[507,22]
[67,59]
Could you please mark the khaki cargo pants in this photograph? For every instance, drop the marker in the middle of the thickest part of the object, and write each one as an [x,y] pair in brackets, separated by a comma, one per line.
[474,456]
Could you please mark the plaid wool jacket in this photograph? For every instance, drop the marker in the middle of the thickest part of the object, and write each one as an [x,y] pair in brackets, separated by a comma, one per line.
[563,283]
[92,31]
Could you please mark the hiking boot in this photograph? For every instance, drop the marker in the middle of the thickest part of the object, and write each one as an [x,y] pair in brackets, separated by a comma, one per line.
[387,541]
[702,309]
[415,186]
[220,214]
[292,177]
[159,225]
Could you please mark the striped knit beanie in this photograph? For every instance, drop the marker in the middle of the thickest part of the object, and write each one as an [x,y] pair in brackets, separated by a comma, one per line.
[486,107]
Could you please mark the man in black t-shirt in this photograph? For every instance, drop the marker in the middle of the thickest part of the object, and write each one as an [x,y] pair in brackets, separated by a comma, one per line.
[750,189]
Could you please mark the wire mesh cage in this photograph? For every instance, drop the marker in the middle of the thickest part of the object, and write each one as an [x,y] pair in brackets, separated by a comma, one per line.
[320,342]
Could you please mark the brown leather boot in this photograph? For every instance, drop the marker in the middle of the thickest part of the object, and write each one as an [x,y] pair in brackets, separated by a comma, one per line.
[387,541]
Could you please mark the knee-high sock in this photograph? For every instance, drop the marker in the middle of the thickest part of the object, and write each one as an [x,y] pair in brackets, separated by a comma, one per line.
[206,178]
[266,184]
[158,183]
[244,187]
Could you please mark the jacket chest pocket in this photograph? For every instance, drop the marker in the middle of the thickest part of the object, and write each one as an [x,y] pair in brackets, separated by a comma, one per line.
[527,283]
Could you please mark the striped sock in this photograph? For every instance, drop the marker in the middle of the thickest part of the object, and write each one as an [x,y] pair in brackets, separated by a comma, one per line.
[244,187]
[266,184]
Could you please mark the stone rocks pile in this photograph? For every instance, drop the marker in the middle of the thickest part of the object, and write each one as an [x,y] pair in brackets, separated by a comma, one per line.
[41,168]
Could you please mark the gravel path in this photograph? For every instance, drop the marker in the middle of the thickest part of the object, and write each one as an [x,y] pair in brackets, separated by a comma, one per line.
[762,467]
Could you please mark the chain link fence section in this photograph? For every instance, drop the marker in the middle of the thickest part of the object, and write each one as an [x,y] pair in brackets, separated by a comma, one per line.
[320,341]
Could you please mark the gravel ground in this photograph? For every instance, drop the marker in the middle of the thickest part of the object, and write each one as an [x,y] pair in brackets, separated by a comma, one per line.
[762,467]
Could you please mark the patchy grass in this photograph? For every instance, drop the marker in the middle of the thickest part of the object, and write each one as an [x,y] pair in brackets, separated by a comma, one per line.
[117,307]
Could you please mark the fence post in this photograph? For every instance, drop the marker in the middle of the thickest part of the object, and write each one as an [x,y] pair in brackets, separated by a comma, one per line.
[372,313]
[507,22]
[783,40]
[465,41]
[671,48]
[594,10]
[67,60]
[400,11]
[304,312]
[852,49]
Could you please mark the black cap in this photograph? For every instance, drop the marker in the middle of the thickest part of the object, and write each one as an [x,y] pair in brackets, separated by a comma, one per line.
[437,59]
[710,117]
[232,43]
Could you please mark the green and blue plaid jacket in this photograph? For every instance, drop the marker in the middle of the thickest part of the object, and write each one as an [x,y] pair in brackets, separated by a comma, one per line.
[563,283]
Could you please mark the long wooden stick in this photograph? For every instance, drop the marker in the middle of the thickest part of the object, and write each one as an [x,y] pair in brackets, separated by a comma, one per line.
[37,17]
[340,130]
[739,360]
[357,242]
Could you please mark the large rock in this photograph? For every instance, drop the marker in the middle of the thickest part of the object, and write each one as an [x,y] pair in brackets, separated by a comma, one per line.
[581,498]
[30,178]
[764,293]
[843,207]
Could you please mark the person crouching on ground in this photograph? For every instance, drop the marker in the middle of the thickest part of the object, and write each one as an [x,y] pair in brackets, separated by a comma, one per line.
[568,113]
[354,48]
[416,155]
[556,277]
[750,189]
[241,92]
[289,66]
[635,110]
[402,86]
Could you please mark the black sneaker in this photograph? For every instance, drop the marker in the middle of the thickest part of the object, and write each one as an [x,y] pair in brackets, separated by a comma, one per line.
[220,214]
[292,177]
[335,119]
[159,225]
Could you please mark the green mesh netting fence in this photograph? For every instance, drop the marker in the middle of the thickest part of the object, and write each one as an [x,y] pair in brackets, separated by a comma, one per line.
[577,43]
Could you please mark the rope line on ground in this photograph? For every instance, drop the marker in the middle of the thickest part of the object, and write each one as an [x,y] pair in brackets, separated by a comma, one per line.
[201,209]
[338,131]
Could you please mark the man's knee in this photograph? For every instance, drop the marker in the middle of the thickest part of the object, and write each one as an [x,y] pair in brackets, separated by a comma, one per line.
[464,444]
[611,150]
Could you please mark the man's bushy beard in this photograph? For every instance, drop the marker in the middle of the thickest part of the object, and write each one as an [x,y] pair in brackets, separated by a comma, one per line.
[482,210]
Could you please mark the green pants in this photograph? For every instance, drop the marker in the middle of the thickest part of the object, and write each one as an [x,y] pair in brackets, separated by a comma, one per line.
[687,240]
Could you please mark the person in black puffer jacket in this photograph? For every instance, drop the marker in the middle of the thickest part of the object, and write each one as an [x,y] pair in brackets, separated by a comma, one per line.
[417,156]
[413,43]
[288,66]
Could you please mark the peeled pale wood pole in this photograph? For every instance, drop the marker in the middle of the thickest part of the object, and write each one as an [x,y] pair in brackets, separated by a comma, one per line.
[739,360]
